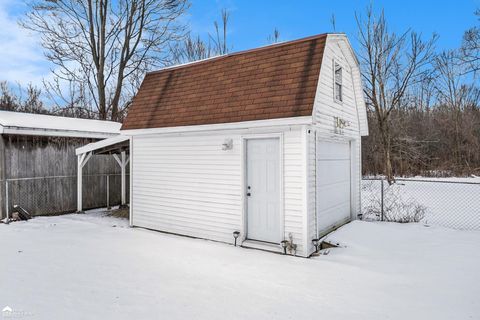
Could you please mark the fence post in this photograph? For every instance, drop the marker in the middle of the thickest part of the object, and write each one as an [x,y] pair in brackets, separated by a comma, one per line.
[6,203]
[381,200]
[108,192]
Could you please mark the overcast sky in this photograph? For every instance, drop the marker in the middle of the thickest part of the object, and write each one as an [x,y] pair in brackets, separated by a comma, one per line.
[22,60]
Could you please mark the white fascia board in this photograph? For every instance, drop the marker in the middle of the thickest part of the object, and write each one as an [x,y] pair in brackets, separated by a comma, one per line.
[305,120]
[341,36]
[101,144]
[55,133]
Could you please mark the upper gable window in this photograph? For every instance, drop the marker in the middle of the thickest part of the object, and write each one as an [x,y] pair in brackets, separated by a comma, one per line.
[337,75]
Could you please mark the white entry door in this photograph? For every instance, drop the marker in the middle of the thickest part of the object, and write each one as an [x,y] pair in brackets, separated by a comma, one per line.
[333,183]
[263,190]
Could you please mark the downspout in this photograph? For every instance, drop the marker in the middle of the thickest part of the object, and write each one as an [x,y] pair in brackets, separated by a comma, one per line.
[3,178]
[130,185]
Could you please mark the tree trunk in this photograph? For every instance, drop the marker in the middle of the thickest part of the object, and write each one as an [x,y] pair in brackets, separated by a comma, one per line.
[102,101]
[386,145]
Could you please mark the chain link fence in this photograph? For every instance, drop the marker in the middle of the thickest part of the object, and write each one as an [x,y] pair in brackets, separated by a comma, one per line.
[58,194]
[453,204]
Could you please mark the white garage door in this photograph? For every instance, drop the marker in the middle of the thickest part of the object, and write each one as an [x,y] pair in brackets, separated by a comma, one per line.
[333,183]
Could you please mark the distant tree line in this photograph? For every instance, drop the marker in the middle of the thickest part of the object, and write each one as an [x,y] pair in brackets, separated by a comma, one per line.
[31,99]
[423,106]
[439,140]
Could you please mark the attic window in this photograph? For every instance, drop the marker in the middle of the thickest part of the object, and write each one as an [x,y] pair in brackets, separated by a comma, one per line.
[338,94]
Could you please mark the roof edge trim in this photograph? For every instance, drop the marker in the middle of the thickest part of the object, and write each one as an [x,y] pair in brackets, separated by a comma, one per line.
[101,144]
[304,120]
[269,46]
[26,131]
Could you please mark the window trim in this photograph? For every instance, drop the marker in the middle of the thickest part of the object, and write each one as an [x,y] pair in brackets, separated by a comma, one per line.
[336,63]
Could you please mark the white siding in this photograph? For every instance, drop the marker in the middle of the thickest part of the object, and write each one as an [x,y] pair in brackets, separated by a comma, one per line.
[326,108]
[350,109]
[294,188]
[186,184]
[311,185]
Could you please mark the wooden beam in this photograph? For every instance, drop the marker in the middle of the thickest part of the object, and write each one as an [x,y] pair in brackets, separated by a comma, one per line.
[122,162]
[118,159]
[86,158]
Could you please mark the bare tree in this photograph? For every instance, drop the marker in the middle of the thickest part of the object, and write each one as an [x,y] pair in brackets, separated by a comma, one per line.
[220,39]
[33,102]
[333,21]
[69,99]
[22,99]
[102,44]
[8,100]
[471,47]
[391,65]
[274,37]
[191,49]
[455,94]
[194,48]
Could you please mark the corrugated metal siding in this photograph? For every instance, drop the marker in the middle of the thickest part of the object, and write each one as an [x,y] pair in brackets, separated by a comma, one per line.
[190,186]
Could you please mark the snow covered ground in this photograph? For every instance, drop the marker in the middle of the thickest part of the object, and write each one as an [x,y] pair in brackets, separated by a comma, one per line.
[448,202]
[95,267]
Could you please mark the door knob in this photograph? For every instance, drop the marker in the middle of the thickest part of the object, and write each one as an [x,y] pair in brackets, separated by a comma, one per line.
[248,194]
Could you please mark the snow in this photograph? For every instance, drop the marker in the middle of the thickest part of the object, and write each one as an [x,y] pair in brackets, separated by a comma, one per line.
[93,266]
[449,202]
[473,179]
[47,122]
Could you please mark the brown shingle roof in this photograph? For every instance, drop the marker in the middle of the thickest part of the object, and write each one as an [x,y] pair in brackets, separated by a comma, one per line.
[277,81]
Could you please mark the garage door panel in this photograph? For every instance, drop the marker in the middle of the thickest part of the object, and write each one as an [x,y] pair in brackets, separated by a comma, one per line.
[333,183]
[333,172]
[333,195]
[333,150]
[332,217]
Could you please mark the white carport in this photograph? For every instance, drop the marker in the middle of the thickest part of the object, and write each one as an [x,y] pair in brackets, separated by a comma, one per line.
[118,147]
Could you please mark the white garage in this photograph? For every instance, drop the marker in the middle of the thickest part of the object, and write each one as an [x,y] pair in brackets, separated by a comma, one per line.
[262,144]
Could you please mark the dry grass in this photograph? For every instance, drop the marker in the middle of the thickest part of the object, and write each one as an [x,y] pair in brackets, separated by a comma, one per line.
[118,213]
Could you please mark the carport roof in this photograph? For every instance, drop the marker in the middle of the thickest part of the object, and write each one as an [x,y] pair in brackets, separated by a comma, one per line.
[107,146]
[48,125]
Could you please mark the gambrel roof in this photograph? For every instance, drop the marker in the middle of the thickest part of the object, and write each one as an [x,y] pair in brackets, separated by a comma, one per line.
[276,81]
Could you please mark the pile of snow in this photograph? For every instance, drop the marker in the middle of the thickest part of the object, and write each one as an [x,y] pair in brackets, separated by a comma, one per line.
[95,267]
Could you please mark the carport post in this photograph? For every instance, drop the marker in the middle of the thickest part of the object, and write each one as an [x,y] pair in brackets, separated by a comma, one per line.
[124,166]
[79,181]
[122,162]
[381,200]
[81,161]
